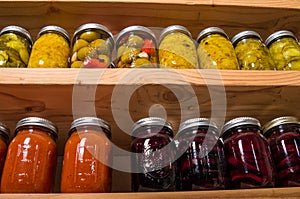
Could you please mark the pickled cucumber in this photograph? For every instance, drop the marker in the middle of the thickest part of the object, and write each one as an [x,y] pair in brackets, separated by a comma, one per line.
[90,36]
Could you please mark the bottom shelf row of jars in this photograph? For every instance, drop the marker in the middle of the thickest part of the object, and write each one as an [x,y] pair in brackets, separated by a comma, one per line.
[200,157]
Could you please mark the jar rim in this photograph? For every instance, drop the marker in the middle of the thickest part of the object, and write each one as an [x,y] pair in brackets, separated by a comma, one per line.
[19,30]
[211,30]
[92,121]
[195,122]
[279,121]
[172,28]
[94,26]
[238,122]
[151,121]
[243,35]
[4,131]
[279,34]
[56,29]
[138,29]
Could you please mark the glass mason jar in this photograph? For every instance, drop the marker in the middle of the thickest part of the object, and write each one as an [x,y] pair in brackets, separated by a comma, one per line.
[283,134]
[248,156]
[215,50]
[153,160]
[31,158]
[92,46]
[51,48]
[251,52]
[202,162]
[284,49]
[4,137]
[15,47]
[87,157]
[136,48]
[177,48]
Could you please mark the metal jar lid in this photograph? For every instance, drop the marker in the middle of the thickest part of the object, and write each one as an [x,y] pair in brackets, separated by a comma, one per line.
[279,121]
[18,30]
[39,122]
[196,122]
[152,121]
[243,35]
[90,121]
[279,34]
[4,131]
[239,121]
[55,29]
[94,27]
[211,30]
[174,28]
[140,30]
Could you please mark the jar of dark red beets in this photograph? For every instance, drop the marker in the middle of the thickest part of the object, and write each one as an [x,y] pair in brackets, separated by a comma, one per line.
[283,134]
[202,163]
[154,167]
[248,156]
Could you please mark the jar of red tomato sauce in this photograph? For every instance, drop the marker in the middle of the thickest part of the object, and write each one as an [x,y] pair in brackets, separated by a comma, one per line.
[4,137]
[87,157]
[31,157]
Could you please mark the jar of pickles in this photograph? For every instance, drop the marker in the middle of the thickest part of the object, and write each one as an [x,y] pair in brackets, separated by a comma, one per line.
[92,46]
[31,158]
[87,157]
[215,50]
[251,52]
[153,152]
[4,137]
[51,48]
[202,163]
[284,49]
[248,156]
[177,49]
[283,134]
[15,47]
[136,48]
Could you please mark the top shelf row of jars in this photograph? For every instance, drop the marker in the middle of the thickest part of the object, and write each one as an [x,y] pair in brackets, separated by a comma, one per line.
[93,46]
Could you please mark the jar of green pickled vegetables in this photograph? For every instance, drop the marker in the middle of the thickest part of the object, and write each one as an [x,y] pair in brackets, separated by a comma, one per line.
[92,46]
[177,49]
[284,49]
[136,48]
[51,48]
[215,50]
[15,47]
[251,52]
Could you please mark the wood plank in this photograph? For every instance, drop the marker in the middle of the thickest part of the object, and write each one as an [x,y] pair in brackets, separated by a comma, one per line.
[256,3]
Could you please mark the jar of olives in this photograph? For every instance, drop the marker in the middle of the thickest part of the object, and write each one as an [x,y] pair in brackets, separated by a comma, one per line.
[177,49]
[248,156]
[283,134]
[251,52]
[136,47]
[215,50]
[51,48]
[92,45]
[284,49]
[15,47]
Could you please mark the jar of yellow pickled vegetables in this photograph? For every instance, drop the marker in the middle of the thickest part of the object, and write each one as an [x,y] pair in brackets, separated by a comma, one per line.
[15,47]
[51,48]
[136,48]
[215,50]
[177,49]
[251,52]
[92,45]
[284,49]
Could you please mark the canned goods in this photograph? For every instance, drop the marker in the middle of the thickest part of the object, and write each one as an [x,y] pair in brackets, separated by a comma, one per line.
[215,50]
[283,134]
[136,47]
[251,52]
[51,48]
[4,137]
[92,45]
[31,158]
[15,47]
[177,48]
[284,49]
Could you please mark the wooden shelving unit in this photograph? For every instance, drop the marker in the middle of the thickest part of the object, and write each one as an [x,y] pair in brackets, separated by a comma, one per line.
[60,94]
